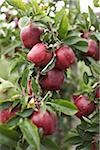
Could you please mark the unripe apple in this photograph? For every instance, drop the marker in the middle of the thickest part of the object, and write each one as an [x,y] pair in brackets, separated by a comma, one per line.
[47,121]
[97,94]
[53,80]
[39,55]
[30,35]
[85,108]
[6,114]
[65,57]
[92,48]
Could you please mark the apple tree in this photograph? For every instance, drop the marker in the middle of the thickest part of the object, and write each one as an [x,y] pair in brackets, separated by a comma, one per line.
[49,76]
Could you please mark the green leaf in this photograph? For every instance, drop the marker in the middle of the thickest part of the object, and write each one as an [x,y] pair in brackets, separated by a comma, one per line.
[84,146]
[24,102]
[4,147]
[14,66]
[4,105]
[93,129]
[42,19]
[18,147]
[92,16]
[13,121]
[81,46]
[64,106]
[97,35]
[11,47]
[49,66]
[18,4]
[70,40]
[58,16]
[30,147]
[34,85]
[24,21]
[74,140]
[87,120]
[63,28]
[30,133]
[25,77]
[8,137]
[50,144]
[95,66]
[85,78]
[25,113]
[35,5]
[73,33]
[6,85]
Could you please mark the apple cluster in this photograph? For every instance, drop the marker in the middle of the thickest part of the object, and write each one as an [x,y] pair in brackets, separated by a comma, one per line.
[41,56]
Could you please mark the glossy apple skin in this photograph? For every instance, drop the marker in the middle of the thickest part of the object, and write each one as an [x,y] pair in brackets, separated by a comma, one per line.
[84,106]
[30,35]
[5,115]
[92,48]
[65,57]
[97,94]
[47,121]
[39,55]
[53,80]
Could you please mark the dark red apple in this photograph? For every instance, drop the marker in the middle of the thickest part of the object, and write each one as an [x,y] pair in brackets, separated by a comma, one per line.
[6,114]
[39,55]
[97,55]
[94,147]
[65,57]
[84,106]
[30,35]
[53,80]
[97,94]
[47,121]
[92,48]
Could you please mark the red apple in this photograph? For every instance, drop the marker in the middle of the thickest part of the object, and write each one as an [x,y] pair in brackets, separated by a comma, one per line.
[39,55]
[30,35]
[65,57]
[97,94]
[94,147]
[6,114]
[53,80]
[92,48]
[84,106]
[97,55]
[47,121]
